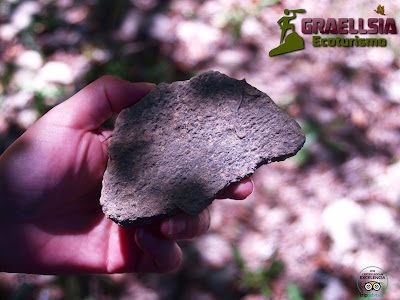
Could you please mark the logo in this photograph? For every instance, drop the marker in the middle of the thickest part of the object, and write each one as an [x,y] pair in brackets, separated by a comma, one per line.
[372,285]
[293,41]
[372,282]
[331,26]
[380,10]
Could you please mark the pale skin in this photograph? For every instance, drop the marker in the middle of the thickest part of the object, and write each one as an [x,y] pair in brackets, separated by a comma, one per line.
[50,182]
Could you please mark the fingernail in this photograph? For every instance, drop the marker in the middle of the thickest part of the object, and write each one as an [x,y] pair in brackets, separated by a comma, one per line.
[179,226]
[146,85]
[248,182]
[150,85]
[252,182]
[176,226]
[243,187]
[142,88]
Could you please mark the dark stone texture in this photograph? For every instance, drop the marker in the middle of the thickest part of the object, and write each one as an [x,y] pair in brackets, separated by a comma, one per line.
[186,141]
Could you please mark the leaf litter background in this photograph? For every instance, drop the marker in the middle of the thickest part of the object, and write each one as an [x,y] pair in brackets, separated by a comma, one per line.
[314,221]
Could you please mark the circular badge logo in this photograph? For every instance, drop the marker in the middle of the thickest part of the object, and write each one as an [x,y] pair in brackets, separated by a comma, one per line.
[372,281]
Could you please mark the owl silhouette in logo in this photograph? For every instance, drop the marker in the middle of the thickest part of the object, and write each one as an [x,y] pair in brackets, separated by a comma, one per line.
[380,10]
[372,285]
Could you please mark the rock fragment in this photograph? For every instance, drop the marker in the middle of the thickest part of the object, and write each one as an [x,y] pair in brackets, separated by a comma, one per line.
[184,142]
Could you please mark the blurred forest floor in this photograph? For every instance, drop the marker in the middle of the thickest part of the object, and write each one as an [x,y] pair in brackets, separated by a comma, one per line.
[314,221]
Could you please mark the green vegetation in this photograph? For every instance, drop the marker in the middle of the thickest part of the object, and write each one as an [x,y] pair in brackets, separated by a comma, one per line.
[260,279]
[294,292]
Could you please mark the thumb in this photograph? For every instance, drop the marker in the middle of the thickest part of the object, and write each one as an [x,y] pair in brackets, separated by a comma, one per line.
[95,103]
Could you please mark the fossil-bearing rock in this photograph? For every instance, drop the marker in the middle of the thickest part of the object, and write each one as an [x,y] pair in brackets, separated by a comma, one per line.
[184,142]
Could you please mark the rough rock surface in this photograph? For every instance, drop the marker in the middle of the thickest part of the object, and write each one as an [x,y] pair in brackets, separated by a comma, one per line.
[186,141]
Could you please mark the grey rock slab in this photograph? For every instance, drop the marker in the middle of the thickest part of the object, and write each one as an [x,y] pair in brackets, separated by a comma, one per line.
[184,142]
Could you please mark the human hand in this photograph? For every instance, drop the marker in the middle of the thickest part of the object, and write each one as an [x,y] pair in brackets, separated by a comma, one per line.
[50,217]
